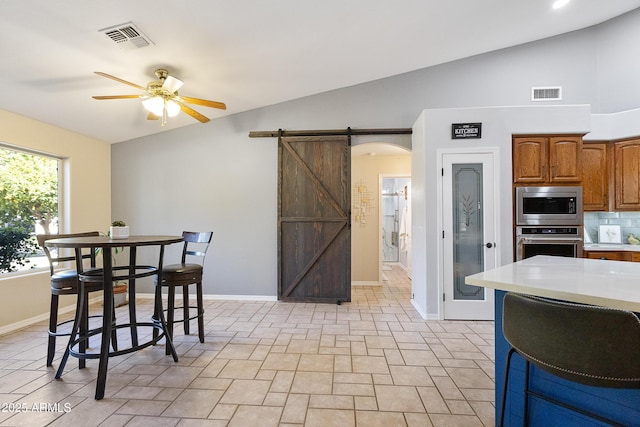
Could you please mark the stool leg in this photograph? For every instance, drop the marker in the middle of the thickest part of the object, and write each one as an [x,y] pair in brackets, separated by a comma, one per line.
[74,331]
[185,309]
[156,317]
[504,387]
[171,303]
[200,311]
[53,329]
[526,394]
[84,327]
[114,331]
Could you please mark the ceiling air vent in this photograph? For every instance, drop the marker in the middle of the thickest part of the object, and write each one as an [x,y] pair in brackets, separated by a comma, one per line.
[127,36]
[552,93]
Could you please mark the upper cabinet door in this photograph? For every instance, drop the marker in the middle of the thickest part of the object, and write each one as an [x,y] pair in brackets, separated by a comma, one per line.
[530,159]
[547,160]
[596,176]
[565,159]
[627,176]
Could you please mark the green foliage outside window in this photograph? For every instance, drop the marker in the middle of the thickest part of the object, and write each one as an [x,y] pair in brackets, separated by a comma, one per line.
[28,197]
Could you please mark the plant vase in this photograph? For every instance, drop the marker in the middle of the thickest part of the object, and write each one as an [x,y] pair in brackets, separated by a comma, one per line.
[119,232]
[119,294]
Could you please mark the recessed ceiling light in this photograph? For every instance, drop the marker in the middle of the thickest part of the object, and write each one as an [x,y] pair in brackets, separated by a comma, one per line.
[560,3]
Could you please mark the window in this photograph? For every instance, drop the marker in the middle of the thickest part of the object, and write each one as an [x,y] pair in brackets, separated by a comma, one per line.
[28,205]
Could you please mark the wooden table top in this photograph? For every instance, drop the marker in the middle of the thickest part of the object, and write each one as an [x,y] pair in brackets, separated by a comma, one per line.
[107,242]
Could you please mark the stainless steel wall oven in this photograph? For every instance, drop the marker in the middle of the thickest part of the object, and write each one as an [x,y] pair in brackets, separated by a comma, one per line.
[556,241]
[548,221]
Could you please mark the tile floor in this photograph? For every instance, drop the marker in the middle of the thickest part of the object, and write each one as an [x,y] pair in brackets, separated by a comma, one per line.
[371,362]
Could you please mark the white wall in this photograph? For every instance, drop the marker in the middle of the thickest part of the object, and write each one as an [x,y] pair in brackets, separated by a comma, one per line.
[432,132]
[86,180]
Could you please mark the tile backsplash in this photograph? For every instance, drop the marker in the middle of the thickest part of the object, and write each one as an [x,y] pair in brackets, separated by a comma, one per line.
[629,223]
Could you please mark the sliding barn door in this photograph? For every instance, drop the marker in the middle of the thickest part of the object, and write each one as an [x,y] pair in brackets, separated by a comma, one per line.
[314,236]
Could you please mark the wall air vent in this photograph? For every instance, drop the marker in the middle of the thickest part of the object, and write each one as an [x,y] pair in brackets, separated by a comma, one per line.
[127,36]
[552,93]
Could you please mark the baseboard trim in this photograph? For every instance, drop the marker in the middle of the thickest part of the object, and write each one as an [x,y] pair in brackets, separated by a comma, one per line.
[419,310]
[12,327]
[365,283]
[222,297]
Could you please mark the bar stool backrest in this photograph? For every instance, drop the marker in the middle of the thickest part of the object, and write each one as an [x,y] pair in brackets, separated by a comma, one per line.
[587,344]
[54,260]
[198,240]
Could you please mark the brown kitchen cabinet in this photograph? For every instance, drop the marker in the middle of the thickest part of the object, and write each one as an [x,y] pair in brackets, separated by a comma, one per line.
[547,159]
[597,176]
[611,255]
[627,175]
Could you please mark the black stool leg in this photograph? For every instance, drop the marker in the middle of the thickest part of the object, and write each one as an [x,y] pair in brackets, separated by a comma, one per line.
[114,331]
[171,305]
[200,307]
[83,306]
[504,387]
[526,394]
[185,309]
[74,330]
[53,329]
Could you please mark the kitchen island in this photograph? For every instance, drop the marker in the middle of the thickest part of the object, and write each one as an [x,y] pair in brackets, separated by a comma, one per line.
[613,284]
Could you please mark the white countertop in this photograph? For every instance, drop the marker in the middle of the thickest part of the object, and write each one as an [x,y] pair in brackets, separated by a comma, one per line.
[610,247]
[590,281]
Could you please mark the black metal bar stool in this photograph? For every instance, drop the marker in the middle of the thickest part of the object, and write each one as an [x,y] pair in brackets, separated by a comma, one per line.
[590,345]
[65,282]
[183,275]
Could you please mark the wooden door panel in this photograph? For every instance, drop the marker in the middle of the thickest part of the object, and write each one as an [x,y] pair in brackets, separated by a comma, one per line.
[530,159]
[314,262]
[627,175]
[595,176]
[314,256]
[565,159]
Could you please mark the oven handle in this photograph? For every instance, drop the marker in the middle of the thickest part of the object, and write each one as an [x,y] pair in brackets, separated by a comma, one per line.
[544,240]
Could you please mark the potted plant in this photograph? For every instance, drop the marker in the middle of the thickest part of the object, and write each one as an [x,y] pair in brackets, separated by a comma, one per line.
[119,293]
[119,230]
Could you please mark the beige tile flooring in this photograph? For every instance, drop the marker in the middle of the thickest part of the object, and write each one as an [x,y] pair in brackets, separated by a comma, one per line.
[371,362]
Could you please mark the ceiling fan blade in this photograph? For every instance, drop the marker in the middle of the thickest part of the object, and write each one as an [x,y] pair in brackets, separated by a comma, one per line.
[116,97]
[171,84]
[152,116]
[193,113]
[204,102]
[109,76]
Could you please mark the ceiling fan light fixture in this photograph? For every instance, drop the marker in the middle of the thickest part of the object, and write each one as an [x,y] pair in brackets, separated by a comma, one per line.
[173,108]
[154,104]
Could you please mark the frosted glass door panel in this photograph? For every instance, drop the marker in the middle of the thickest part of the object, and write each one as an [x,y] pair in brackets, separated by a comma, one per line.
[468,234]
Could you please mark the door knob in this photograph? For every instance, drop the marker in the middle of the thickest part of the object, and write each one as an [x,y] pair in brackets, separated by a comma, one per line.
[490,245]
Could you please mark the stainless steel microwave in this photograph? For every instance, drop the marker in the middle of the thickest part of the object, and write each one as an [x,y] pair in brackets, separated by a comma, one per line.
[555,206]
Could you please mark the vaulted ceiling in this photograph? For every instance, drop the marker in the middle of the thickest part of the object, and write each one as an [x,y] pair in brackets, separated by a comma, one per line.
[246,53]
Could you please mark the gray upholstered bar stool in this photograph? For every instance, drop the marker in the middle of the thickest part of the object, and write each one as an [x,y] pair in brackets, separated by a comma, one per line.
[590,345]
[183,275]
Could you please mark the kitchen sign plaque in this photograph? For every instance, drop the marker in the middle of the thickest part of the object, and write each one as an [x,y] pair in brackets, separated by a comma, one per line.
[466,130]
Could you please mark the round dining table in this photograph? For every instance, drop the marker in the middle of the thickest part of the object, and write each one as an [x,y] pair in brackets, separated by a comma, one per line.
[107,275]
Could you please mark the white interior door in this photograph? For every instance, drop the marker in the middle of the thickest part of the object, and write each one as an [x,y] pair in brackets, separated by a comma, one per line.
[469,233]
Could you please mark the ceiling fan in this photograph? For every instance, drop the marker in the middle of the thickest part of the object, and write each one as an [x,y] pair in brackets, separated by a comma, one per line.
[161,97]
